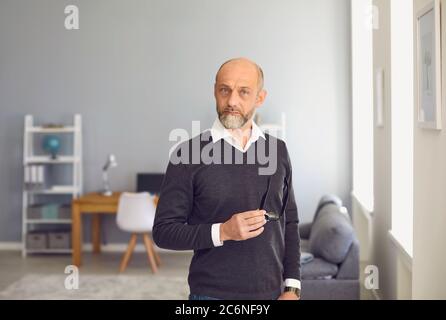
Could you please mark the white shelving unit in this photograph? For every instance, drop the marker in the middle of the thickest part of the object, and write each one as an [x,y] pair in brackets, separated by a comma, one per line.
[30,158]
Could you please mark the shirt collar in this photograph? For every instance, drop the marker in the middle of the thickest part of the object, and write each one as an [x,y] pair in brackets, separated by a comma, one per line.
[218,132]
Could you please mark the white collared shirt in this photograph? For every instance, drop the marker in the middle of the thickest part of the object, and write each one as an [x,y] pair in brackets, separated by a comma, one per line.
[218,132]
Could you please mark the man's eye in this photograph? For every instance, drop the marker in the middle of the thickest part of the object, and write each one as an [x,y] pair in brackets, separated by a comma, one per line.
[244,92]
[224,90]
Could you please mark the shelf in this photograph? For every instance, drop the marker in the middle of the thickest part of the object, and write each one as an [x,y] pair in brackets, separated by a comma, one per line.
[50,191]
[66,251]
[47,159]
[35,162]
[50,130]
[49,221]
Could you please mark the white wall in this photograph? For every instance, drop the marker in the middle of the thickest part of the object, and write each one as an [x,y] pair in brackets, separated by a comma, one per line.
[429,260]
[422,277]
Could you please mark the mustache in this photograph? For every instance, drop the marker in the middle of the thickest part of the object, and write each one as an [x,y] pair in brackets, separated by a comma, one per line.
[232,109]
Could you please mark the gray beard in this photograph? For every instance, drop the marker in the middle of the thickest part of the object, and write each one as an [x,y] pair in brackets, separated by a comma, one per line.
[230,121]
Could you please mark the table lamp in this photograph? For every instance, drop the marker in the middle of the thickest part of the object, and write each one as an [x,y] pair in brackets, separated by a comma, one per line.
[111,163]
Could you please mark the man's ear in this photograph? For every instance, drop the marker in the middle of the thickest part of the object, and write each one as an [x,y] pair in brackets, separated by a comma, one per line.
[215,90]
[261,96]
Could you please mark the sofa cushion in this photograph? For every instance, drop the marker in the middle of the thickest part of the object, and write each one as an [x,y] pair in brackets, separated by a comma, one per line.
[331,234]
[327,199]
[319,269]
[306,257]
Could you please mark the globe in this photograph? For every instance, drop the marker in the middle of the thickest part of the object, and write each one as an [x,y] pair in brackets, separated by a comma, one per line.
[51,144]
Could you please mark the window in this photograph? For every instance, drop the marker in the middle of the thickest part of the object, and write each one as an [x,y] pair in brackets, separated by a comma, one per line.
[402,82]
[362,101]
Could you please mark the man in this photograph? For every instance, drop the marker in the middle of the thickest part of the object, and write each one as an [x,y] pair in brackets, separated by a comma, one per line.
[218,209]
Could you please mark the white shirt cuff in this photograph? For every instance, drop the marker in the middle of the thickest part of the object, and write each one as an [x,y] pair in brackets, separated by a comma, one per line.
[215,233]
[292,283]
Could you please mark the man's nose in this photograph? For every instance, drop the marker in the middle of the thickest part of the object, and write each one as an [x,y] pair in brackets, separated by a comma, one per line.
[233,99]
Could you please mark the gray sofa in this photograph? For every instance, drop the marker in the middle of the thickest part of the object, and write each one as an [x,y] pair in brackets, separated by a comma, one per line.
[333,272]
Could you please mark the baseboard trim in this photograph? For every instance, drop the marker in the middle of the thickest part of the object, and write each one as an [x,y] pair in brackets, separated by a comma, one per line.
[376,294]
[10,246]
[122,247]
[88,247]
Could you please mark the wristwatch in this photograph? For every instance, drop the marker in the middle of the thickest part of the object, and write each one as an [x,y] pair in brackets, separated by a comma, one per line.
[293,289]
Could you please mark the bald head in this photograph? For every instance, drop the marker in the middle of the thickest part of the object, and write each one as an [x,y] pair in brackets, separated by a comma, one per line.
[242,65]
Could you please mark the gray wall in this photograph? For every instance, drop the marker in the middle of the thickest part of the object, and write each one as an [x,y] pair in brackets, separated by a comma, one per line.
[137,69]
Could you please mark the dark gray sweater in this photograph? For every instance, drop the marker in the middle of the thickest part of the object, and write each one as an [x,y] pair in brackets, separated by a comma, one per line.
[195,196]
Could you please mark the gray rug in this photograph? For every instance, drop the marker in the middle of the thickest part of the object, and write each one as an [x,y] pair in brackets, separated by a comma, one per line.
[147,287]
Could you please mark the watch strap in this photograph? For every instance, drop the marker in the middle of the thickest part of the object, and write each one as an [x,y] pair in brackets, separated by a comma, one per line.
[293,289]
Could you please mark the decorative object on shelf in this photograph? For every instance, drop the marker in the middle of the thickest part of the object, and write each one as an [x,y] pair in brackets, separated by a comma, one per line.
[429,66]
[51,144]
[111,163]
[49,211]
[34,177]
[53,126]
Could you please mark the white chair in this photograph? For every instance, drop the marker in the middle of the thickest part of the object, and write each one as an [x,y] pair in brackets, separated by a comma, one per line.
[136,213]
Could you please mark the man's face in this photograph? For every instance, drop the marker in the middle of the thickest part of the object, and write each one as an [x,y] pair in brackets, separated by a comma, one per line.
[237,93]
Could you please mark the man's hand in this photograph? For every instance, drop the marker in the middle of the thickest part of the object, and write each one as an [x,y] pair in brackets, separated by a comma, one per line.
[289,296]
[243,226]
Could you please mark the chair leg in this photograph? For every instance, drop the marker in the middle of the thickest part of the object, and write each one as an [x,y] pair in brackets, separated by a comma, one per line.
[157,257]
[128,253]
[148,244]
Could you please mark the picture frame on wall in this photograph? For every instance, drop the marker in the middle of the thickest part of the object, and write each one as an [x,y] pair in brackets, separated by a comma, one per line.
[429,66]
